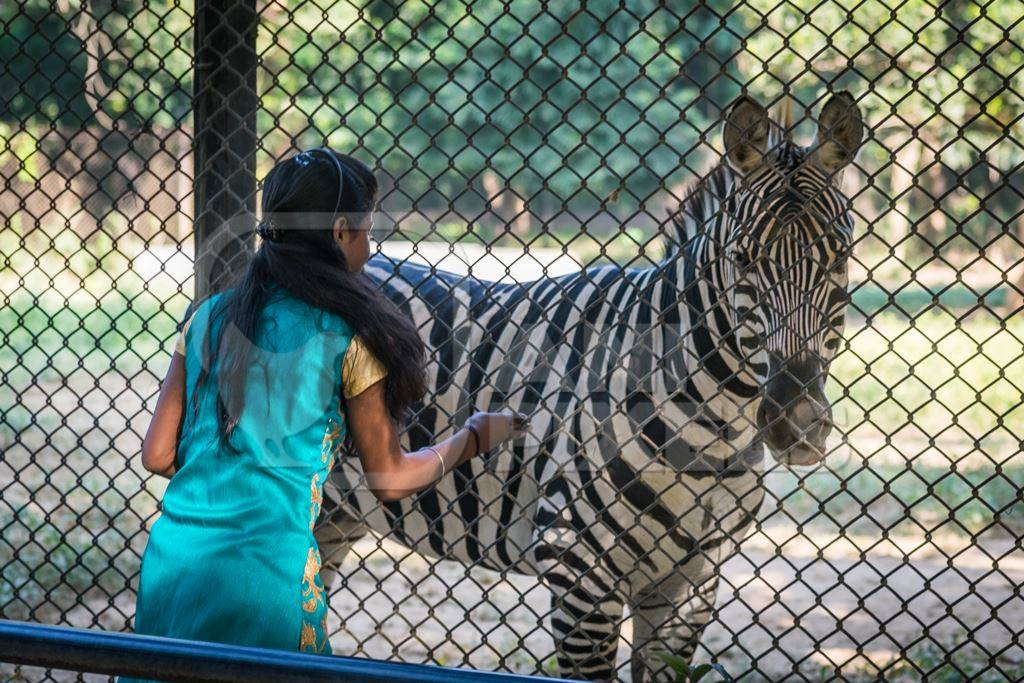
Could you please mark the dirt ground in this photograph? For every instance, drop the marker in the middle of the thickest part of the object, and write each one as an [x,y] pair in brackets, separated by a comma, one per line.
[854,608]
[791,606]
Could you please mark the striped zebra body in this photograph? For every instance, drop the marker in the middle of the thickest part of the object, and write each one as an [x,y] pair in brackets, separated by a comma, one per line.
[642,470]
[607,492]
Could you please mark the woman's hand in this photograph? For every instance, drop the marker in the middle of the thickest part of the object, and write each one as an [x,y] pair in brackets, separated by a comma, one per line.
[494,429]
[392,474]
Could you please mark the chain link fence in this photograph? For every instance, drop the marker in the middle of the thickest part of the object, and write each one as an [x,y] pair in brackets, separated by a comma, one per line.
[518,141]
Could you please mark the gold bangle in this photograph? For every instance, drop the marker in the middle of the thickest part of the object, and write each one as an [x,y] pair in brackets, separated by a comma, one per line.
[444,470]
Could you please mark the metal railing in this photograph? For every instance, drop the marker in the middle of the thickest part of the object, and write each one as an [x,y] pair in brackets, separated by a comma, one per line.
[168,659]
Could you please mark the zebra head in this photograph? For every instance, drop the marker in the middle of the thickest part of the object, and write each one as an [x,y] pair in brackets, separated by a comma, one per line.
[785,250]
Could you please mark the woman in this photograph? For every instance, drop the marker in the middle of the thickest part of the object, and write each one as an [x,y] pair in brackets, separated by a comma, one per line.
[268,379]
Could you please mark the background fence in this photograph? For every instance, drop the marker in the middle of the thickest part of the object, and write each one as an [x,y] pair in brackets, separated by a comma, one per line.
[553,135]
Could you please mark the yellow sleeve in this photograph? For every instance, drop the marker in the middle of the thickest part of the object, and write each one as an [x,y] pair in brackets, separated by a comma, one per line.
[179,343]
[360,369]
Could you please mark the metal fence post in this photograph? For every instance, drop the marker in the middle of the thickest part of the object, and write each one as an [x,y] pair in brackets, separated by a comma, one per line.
[225,103]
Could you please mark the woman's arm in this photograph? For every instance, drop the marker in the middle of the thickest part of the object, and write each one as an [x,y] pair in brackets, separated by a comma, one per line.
[161,442]
[392,474]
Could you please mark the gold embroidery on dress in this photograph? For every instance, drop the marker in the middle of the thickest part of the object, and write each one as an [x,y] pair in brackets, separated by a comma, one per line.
[310,579]
[308,639]
[325,446]
[323,629]
[333,438]
[333,435]
[316,499]
[314,596]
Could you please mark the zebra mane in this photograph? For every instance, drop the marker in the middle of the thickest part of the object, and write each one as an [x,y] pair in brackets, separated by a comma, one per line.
[700,203]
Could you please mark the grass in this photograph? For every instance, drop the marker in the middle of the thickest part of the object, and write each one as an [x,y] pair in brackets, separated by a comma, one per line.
[953,662]
[908,499]
[869,298]
[54,562]
[945,660]
[942,662]
[935,381]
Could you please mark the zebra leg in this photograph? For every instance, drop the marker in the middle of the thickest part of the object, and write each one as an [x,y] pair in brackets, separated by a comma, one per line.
[670,617]
[671,614]
[335,536]
[586,617]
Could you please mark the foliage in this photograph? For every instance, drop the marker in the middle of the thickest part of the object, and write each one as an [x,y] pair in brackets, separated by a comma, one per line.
[45,64]
[687,673]
[568,107]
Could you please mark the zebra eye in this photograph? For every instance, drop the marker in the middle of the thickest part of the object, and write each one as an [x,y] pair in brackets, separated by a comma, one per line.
[741,260]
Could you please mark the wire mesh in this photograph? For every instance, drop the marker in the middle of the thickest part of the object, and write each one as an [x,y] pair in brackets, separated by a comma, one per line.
[523,141]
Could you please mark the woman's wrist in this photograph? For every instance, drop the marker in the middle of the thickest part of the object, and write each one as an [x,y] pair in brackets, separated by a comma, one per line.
[475,435]
[440,459]
[470,445]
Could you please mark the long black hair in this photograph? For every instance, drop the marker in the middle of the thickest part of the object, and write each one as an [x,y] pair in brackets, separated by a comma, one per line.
[301,199]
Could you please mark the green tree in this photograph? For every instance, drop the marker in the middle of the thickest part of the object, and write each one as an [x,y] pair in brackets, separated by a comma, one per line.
[559,101]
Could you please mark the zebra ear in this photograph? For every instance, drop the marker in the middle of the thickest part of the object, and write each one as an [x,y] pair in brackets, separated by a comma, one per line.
[746,134]
[840,133]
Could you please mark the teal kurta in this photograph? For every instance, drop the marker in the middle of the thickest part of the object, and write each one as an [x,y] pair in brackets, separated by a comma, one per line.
[232,559]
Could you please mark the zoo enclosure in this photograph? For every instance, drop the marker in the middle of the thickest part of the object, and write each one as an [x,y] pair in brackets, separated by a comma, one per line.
[516,139]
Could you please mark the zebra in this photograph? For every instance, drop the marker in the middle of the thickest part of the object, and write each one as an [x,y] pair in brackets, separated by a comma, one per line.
[652,391]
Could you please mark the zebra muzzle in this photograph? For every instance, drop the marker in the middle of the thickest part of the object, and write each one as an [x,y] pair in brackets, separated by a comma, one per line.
[794,416]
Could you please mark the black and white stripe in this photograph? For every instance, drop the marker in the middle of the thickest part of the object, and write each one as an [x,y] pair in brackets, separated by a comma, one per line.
[641,475]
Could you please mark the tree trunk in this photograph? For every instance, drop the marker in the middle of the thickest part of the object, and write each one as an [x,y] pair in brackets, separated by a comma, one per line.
[184,175]
[902,225]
